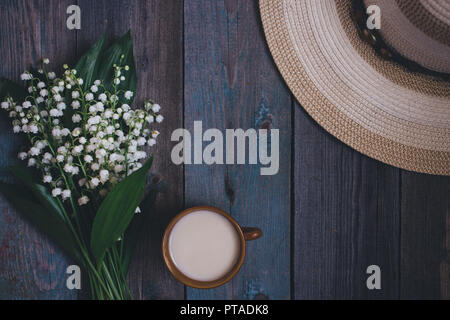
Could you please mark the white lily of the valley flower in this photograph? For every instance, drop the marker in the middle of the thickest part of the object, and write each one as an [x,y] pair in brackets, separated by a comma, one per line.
[66,194]
[83,200]
[56,192]
[95,182]
[25,76]
[99,149]
[102,97]
[104,176]
[35,151]
[31,162]
[151,142]
[76,118]
[156,107]
[22,155]
[89,97]
[76,104]
[128,95]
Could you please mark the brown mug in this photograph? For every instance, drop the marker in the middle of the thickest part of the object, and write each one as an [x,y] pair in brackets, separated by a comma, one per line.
[244,234]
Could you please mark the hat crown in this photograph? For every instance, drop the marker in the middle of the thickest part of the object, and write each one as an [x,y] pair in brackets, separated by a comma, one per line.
[417,30]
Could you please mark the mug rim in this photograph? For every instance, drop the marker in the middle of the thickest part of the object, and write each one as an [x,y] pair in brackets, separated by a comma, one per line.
[181,276]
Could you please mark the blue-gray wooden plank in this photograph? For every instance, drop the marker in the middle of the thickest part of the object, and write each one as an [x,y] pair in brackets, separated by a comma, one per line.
[231,82]
[425,237]
[157,28]
[347,217]
[31,267]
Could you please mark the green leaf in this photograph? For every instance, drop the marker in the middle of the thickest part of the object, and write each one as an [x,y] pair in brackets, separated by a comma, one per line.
[123,46]
[134,230]
[26,175]
[117,210]
[10,88]
[88,65]
[41,194]
[53,226]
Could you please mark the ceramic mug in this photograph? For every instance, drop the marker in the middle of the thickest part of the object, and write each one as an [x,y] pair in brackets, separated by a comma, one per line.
[244,234]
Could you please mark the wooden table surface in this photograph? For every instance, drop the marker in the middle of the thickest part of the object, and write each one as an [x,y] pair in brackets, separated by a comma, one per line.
[327,215]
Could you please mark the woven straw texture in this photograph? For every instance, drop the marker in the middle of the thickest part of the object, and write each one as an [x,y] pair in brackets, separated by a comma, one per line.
[430,16]
[374,106]
[409,39]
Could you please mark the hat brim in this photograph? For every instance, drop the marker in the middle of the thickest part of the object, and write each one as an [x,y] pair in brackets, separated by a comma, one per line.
[374,106]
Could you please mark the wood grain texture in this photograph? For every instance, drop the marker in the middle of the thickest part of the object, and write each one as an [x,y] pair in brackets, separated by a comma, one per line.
[346,218]
[425,237]
[157,32]
[328,214]
[231,82]
[157,28]
[30,266]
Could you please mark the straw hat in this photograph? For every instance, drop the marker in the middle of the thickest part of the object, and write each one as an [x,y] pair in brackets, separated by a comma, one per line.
[387,97]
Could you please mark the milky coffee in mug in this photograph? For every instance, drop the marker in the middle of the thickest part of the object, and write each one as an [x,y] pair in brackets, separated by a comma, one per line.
[204,247]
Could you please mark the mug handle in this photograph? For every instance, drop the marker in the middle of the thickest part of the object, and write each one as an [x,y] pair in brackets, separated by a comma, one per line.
[251,233]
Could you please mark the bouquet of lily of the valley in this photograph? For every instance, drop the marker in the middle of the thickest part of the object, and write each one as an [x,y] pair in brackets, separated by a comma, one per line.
[84,178]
